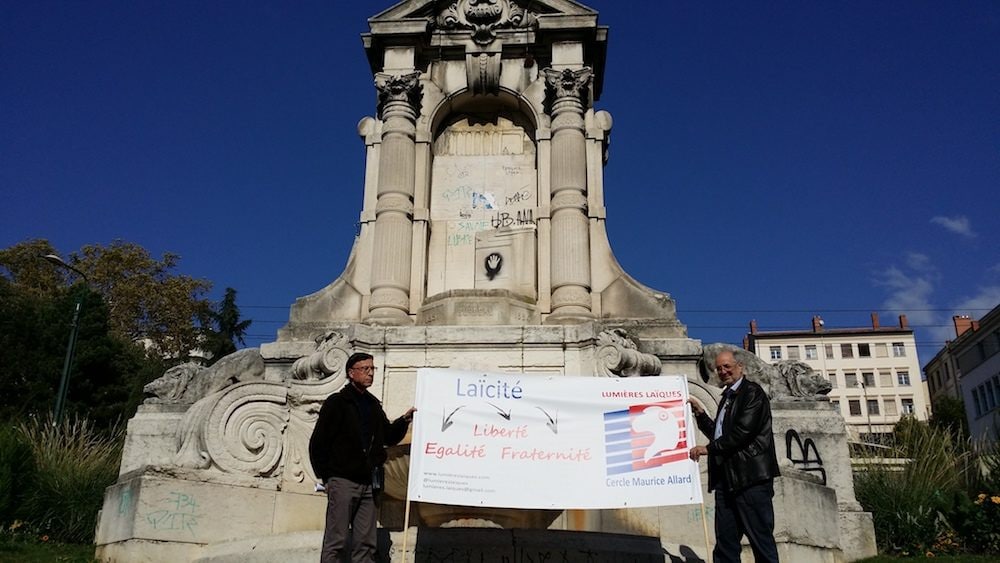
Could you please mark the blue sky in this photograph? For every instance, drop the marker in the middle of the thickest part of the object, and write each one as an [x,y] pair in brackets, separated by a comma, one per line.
[768,160]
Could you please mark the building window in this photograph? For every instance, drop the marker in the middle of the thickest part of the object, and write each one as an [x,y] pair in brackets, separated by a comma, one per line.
[833,379]
[864,350]
[881,351]
[836,406]
[996,387]
[991,401]
[828,351]
[868,378]
[793,352]
[855,407]
[872,406]
[884,378]
[907,405]
[898,350]
[890,407]
[979,405]
[846,350]
[850,380]
[903,378]
[811,353]
[775,352]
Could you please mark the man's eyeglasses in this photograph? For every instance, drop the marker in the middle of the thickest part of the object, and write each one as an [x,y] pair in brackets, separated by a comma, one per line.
[365,369]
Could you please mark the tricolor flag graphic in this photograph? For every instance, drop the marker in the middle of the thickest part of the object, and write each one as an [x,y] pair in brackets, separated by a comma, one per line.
[645,436]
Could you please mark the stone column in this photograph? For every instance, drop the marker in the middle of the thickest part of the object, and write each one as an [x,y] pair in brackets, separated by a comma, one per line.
[570,250]
[398,105]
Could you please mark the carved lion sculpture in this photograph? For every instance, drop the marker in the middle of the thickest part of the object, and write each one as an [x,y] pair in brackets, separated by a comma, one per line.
[785,380]
[186,383]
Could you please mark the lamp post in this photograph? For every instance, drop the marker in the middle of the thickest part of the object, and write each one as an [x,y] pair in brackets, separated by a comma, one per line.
[71,346]
[864,389]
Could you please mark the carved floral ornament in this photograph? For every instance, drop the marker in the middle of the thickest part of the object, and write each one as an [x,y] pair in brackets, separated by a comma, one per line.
[484,17]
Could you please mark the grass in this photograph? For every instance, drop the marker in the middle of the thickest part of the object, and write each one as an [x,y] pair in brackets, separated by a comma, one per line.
[71,465]
[45,552]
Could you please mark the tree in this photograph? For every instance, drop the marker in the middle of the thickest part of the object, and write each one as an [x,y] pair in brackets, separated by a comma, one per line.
[228,330]
[146,302]
[949,414]
[137,317]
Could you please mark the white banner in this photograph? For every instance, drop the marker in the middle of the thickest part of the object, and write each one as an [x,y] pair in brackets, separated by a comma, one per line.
[536,441]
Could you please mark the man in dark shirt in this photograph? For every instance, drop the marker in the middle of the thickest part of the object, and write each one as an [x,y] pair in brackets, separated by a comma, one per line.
[348,442]
[741,464]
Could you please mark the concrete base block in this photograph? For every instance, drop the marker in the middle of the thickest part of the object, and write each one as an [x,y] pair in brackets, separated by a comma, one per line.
[857,535]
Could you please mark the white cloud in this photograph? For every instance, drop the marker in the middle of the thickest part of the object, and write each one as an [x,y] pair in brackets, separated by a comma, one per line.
[909,294]
[958,225]
[919,262]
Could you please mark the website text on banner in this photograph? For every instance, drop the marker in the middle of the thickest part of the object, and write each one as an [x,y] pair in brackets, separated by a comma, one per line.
[537,441]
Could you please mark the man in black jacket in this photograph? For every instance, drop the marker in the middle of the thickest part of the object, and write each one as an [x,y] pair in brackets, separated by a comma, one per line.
[348,442]
[741,464]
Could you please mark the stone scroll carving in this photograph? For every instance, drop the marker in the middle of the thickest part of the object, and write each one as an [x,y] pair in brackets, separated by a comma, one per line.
[785,380]
[189,382]
[262,428]
[484,17]
[332,351]
[237,430]
[617,355]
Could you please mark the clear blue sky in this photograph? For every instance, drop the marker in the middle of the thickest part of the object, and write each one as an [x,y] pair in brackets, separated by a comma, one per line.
[768,160]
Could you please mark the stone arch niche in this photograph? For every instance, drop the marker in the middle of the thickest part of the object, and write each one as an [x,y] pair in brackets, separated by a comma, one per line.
[483,200]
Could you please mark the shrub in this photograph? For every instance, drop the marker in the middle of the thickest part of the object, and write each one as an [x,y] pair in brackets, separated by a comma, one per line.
[910,503]
[71,465]
[15,461]
[944,499]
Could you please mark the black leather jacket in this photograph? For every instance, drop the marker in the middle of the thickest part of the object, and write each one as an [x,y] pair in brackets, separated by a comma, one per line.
[336,448]
[744,454]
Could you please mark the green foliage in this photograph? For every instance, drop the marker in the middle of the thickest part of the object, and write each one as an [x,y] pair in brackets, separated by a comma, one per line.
[924,493]
[15,462]
[228,329]
[23,542]
[132,302]
[145,299]
[63,486]
[949,413]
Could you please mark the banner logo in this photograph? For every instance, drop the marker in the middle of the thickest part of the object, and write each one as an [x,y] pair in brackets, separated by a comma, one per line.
[645,436]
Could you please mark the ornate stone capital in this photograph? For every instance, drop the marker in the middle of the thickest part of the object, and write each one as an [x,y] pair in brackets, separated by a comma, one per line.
[484,17]
[568,83]
[395,89]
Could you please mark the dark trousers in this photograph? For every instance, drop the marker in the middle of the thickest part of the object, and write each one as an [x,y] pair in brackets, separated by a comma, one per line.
[748,512]
[349,507]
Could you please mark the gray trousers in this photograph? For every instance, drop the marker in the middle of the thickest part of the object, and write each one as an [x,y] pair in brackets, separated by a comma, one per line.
[349,506]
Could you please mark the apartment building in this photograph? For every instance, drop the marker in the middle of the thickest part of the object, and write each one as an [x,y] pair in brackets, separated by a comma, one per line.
[942,371]
[874,370]
[973,359]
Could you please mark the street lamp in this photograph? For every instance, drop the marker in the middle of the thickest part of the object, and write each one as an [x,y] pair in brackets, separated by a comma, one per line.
[71,346]
[864,389]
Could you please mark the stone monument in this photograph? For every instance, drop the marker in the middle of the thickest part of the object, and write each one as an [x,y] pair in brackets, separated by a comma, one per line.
[482,245]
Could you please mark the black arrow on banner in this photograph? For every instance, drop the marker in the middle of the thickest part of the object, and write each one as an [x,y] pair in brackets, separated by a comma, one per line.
[446,421]
[553,423]
[505,415]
